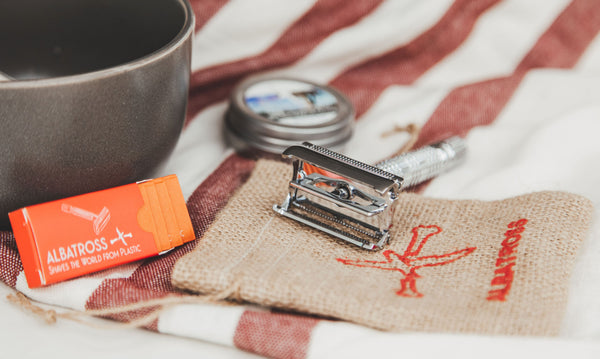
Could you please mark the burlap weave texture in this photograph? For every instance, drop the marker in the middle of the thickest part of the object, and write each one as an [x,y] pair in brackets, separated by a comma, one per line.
[497,267]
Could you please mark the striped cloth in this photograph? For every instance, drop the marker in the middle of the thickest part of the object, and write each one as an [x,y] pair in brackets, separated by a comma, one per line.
[520,80]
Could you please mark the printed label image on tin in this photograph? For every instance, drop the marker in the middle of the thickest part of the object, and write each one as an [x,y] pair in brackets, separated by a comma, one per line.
[292,102]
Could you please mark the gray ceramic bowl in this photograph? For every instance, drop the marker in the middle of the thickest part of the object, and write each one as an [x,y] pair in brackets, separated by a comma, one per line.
[97,97]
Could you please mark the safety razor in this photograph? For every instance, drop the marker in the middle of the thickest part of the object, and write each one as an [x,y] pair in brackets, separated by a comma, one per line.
[355,201]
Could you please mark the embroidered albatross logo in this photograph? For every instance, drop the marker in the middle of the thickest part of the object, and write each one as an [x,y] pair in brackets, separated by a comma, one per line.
[408,262]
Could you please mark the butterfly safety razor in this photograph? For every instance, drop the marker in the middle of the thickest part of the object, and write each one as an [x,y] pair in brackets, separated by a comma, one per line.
[355,201]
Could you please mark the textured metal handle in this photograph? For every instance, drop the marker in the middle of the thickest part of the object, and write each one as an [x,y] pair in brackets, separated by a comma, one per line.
[420,165]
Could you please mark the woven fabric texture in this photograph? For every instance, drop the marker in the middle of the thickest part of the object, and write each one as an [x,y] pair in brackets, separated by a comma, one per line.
[497,267]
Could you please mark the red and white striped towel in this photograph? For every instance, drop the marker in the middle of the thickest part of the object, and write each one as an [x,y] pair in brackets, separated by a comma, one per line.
[519,79]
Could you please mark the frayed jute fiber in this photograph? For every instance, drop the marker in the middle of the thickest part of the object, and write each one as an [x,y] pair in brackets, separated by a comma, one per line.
[490,267]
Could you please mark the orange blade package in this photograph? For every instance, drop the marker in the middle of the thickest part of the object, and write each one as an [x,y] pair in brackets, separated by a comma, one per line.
[67,238]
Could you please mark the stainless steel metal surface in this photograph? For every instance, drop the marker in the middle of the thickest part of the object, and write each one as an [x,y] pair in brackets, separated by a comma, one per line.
[420,165]
[352,200]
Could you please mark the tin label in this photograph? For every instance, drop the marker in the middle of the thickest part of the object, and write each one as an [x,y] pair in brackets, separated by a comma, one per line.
[291,102]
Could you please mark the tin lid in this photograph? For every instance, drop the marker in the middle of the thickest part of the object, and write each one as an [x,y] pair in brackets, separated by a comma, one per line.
[273,113]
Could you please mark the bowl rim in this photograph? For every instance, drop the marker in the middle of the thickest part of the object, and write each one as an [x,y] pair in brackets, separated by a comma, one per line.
[186,31]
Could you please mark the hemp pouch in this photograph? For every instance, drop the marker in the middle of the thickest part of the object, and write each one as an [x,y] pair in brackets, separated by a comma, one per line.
[497,267]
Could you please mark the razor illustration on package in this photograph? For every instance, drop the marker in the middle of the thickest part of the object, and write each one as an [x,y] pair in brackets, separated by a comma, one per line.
[70,237]
[355,201]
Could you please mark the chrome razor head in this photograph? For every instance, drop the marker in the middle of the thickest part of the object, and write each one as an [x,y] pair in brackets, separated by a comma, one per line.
[355,201]
[343,197]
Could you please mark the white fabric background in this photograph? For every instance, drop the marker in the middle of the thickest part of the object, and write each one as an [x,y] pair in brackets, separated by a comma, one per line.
[546,138]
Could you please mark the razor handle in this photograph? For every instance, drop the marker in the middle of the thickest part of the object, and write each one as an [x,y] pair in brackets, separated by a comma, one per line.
[427,162]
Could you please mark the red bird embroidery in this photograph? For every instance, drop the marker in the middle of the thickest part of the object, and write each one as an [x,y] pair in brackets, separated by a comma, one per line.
[408,262]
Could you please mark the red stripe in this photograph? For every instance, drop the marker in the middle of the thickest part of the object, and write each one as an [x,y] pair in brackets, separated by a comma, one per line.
[274,335]
[364,83]
[479,104]
[564,42]
[205,9]
[212,195]
[468,106]
[153,278]
[214,84]
[123,291]
[10,261]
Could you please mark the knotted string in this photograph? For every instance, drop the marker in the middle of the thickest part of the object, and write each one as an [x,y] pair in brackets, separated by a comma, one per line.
[50,316]
[412,130]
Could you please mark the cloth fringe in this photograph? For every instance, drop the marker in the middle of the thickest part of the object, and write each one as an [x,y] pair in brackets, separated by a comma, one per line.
[51,316]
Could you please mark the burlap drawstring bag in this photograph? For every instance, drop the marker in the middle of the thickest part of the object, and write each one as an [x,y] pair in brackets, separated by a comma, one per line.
[499,267]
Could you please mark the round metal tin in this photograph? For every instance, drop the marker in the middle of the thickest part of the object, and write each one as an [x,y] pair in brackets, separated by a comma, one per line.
[273,113]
